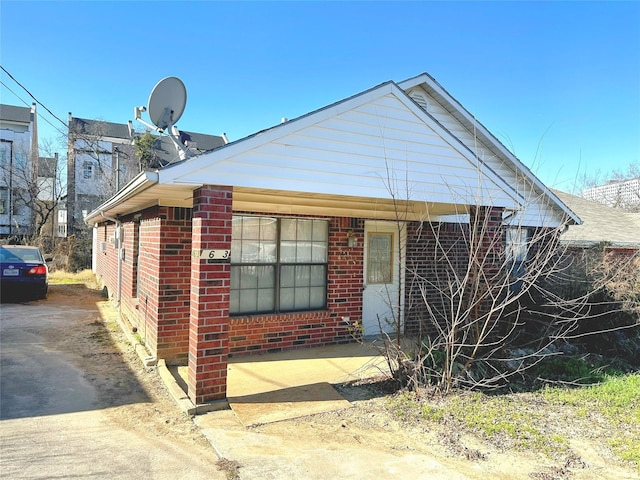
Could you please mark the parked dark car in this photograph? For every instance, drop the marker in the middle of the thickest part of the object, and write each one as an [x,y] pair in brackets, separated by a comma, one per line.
[23,271]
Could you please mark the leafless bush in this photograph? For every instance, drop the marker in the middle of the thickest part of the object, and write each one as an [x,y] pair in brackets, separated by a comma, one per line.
[490,295]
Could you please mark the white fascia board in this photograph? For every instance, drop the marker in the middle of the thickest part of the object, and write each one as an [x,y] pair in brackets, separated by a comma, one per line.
[425,78]
[138,184]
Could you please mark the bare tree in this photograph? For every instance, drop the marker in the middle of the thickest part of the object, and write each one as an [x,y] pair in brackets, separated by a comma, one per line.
[486,295]
[102,159]
[36,190]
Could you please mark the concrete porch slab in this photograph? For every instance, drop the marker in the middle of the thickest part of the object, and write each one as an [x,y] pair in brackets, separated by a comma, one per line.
[249,375]
[280,386]
[284,385]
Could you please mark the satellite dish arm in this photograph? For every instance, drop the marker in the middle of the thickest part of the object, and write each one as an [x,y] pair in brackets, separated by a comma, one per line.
[137,112]
[173,132]
[174,135]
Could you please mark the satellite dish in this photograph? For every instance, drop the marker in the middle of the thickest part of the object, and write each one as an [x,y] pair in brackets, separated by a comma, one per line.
[167,102]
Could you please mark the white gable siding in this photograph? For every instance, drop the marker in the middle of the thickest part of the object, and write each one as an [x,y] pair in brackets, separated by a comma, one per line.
[356,152]
[536,211]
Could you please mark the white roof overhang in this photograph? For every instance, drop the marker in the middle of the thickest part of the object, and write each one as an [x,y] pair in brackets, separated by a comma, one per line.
[431,86]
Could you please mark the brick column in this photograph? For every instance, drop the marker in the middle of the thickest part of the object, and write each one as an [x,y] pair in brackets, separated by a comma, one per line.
[210,283]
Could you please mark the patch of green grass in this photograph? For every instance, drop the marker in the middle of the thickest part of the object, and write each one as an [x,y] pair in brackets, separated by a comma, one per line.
[545,420]
[101,336]
[506,416]
[433,414]
[139,338]
[617,398]
[403,405]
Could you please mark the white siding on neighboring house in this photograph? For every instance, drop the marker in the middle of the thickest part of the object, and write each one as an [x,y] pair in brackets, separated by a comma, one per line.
[536,211]
[46,189]
[15,175]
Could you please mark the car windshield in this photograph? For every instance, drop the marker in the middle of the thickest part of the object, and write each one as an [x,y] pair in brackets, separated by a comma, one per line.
[25,255]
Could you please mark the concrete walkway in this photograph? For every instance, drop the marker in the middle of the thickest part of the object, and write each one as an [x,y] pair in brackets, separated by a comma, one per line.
[287,385]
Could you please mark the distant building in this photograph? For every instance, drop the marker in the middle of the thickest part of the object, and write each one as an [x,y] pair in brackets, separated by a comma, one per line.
[624,194]
[102,159]
[48,194]
[18,169]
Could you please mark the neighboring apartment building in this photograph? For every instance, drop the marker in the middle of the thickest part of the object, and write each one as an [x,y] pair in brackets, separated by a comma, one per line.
[48,196]
[619,194]
[102,159]
[18,167]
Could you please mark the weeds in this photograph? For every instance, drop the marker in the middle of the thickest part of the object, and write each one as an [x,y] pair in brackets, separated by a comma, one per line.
[544,420]
[85,277]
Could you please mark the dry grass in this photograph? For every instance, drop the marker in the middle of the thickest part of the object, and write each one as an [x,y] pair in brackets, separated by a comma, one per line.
[85,277]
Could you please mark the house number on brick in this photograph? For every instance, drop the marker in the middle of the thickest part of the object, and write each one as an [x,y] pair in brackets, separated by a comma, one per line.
[212,254]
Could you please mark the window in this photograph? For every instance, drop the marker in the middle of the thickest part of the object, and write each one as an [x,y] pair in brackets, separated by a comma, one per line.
[4,199]
[517,249]
[380,258]
[87,169]
[517,245]
[19,200]
[278,264]
[5,151]
[20,161]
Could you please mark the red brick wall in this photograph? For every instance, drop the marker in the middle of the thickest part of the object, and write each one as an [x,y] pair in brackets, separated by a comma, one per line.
[174,289]
[209,295]
[276,332]
[438,255]
[158,305]
[428,266]
[149,260]
[160,311]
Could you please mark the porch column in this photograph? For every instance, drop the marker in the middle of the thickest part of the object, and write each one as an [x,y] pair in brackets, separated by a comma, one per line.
[210,283]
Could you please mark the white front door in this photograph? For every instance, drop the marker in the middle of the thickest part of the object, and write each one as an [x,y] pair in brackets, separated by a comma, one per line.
[382,296]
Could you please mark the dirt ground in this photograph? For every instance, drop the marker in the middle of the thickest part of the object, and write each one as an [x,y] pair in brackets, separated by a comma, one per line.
[369,438]
[367,432]
[136,393]
[103,414]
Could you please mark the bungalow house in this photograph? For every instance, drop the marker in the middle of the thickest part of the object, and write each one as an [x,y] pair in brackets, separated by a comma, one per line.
[290,237]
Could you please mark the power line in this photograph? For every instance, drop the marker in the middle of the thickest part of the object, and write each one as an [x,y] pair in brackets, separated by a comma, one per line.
[28,105]
[34,98]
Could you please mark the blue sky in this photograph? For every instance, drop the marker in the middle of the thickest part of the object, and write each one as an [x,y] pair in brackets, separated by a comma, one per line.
[556,82]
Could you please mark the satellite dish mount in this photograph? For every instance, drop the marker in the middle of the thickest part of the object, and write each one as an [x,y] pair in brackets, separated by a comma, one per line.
[166,105]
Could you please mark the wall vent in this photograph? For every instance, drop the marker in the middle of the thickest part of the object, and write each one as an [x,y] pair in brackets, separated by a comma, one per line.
[420,98]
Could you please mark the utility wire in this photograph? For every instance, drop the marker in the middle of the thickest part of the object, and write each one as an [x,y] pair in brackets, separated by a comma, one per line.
[34,98]
[27,104]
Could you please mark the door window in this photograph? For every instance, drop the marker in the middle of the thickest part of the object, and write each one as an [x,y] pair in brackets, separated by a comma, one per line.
[380,258]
